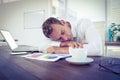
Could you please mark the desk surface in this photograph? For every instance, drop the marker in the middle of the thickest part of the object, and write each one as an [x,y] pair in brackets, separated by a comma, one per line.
[14,67]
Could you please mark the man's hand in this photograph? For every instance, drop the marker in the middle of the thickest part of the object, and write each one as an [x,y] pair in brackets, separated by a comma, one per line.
[72,44]
[56,49]
[51,49]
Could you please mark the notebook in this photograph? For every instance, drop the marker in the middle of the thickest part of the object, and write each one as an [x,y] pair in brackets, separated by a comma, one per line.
[13,45]
[46,56]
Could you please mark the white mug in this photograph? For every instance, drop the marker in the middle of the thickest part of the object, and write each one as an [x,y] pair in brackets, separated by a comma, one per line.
[78,54]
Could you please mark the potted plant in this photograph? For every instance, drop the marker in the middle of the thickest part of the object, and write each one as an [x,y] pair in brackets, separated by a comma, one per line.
[115,28]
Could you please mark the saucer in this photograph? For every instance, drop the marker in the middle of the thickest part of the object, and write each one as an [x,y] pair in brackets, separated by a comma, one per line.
[86,61]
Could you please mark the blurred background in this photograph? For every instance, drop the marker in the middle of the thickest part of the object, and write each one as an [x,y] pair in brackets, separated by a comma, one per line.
[24,18]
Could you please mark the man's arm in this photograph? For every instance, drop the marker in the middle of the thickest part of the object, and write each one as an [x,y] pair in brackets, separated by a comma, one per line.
[73,44]
[68,44]
[64,48]
[56,49]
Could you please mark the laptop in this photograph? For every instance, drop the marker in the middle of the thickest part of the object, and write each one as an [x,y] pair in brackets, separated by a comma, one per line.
[14,47]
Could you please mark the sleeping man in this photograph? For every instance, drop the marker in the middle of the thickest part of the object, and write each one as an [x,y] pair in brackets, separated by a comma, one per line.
[63,35]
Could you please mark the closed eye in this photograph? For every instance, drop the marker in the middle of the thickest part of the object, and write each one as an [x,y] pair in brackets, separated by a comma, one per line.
[62,32]
[60,39]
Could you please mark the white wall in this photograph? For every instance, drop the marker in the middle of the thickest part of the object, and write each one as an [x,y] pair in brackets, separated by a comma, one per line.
[93,9]
[12,19]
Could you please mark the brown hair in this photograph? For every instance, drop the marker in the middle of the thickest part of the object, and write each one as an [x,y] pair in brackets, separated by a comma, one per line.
[47,28]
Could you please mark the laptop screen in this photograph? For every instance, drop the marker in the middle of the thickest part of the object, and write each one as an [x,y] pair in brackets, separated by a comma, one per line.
[9,39]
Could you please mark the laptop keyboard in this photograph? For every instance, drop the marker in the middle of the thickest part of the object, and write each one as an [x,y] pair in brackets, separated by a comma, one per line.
[26,48]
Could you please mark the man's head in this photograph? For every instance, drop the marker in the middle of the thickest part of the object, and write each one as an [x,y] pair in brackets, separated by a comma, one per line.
[57,30]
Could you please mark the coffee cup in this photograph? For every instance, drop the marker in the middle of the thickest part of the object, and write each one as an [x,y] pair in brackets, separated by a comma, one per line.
[78,54]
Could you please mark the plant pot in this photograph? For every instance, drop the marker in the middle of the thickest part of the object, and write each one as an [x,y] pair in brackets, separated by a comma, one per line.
[118,39]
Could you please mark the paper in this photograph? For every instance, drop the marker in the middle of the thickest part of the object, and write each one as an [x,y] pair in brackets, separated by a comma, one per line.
[46,56]
[19,53]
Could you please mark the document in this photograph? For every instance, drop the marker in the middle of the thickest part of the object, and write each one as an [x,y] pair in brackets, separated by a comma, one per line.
[46,56]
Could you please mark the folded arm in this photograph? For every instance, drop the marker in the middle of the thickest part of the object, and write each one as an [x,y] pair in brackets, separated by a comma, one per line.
[56,49]
[64,47]
[73,44]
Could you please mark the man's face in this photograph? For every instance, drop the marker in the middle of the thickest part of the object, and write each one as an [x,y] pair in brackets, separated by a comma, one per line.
[61,33]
